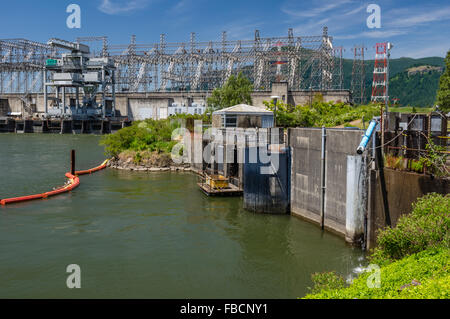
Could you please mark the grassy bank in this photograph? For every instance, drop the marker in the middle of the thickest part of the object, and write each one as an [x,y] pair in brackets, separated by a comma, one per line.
[420,276]
[413,259]
[410,109]
[147,142]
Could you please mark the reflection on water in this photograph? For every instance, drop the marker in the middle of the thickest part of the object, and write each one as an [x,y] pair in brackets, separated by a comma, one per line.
[145,235]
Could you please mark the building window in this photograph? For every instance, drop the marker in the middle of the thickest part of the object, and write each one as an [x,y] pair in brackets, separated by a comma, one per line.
[230,120]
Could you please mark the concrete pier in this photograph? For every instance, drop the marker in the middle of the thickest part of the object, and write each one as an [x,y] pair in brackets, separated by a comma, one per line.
[57,126]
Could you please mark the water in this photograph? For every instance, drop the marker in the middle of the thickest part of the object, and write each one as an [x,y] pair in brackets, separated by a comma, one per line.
[145,235]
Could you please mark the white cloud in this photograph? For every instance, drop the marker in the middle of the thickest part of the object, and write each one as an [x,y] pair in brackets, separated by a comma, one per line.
[356,10]
[241,29]
[337,16]
[322,8]
[311,28]
[180,7]
[346,21]
[414,49]
[409,19]
[117,7]
[372,34]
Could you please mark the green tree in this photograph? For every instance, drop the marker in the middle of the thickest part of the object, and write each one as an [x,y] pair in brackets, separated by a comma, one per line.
[443,94]
[236,90]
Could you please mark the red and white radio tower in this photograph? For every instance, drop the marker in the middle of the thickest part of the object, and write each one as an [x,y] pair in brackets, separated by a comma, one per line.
[380,84]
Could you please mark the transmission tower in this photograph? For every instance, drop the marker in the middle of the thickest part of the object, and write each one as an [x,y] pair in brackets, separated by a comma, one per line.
[305,62]
[338,73]
[358,75]
[380,74]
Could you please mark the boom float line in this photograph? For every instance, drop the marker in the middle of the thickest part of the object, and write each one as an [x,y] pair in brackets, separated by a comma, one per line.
[73,183]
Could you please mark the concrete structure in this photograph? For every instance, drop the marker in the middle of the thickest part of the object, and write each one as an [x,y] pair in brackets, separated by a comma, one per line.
[353,206]
[137,106]
[341,210]
[267,190]
[194,108]
[62,126]
[243,116]
[74,72]
[403,189]
[303,61]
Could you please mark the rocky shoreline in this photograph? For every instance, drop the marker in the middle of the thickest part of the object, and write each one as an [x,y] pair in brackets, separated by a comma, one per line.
[129,165]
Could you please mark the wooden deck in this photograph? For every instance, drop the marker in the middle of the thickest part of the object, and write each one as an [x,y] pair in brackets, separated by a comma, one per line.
[231,190]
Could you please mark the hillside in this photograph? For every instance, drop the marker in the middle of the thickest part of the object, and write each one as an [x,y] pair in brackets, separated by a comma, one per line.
[419,88]
[415,89]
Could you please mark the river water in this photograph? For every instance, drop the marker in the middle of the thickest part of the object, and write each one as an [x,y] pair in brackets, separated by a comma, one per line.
[145,235]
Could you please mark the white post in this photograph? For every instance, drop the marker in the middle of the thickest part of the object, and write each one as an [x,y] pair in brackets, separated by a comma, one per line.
[355,199]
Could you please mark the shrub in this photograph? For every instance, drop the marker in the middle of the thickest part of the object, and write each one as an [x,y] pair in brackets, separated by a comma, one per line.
[416,166]
[148,135]
[321,113]
[327,281]
[427,226]
[396,162]
[435,159]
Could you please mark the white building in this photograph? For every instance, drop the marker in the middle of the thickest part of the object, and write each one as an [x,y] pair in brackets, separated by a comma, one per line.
[194,108]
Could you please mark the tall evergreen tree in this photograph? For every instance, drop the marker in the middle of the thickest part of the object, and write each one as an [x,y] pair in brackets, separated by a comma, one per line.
[236,90]
[443,94]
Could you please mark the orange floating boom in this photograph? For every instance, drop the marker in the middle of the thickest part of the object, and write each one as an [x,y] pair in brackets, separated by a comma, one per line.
[93,170]
[74,182]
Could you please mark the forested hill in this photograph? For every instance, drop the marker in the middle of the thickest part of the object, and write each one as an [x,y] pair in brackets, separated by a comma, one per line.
[413,81]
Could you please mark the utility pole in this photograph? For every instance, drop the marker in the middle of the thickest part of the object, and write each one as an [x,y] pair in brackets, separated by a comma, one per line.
[389,47]
[275,100]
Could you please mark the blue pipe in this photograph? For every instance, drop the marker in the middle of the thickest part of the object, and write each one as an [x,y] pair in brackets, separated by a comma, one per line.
[362,146]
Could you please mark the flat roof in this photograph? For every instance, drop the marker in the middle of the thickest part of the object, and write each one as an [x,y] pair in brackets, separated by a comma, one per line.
[244,109]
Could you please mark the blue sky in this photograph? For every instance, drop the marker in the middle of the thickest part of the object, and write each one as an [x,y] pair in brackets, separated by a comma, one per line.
[417,28]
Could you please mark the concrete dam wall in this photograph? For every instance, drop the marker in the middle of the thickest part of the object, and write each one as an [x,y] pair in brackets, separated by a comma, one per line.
[343,199]
[138,106]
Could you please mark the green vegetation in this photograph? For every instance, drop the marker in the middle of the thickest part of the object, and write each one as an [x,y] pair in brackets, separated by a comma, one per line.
[415,166]
[395,162]
[443,94]
[148,135]
[236,90]
[401,163]
[327,281]
[427,226]
[396,66]
[413,258]
[435,159]
[425,275]
[321,113]
[418,89]
[410,109]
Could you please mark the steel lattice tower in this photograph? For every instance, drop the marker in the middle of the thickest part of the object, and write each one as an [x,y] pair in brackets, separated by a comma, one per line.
[305,62]
[338,73]
[380,71]
[358,75]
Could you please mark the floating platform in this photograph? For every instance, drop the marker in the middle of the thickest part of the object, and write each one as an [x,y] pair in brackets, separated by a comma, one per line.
[231,190]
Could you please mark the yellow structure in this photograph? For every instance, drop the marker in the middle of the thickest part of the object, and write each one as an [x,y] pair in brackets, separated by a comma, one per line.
[217,181]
